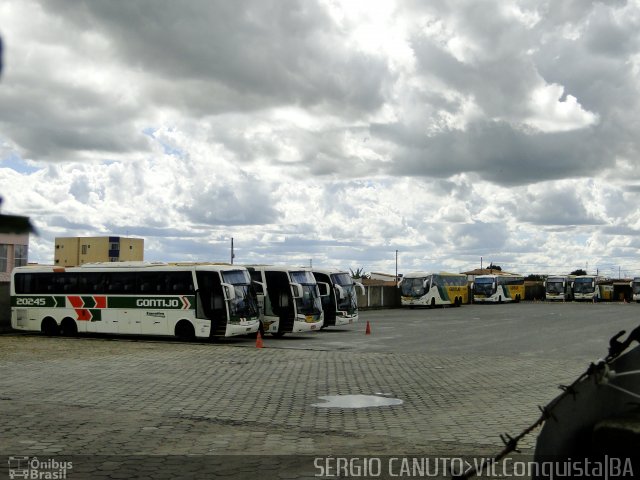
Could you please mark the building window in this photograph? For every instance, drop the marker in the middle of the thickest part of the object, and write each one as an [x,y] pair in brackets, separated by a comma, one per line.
[4,253]
[114,246]
[84,249]
[20,257]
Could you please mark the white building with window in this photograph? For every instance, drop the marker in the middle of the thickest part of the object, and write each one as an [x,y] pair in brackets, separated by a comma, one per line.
[14,249]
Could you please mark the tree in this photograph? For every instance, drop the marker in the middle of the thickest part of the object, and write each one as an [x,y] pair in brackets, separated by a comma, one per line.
[358,273]
[534,277]
[578,272]
[494,267]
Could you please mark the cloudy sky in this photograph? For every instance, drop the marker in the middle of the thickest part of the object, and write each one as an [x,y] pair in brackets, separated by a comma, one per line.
[327,131]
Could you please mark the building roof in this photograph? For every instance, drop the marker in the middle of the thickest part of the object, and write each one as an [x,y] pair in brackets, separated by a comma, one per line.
[486,271]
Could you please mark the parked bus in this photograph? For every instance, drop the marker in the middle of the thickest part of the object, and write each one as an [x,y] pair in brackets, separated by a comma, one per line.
[559,287]
[498,288]
[635,289]
[589,288]
[289,299]
[340,306]
[136,298]
[420,289]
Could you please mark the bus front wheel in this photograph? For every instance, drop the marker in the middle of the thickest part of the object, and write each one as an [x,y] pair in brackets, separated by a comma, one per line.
[185,331]
[49,327]
[433,303]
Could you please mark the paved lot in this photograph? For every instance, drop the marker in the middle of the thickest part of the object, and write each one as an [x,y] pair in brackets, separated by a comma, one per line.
[118,408]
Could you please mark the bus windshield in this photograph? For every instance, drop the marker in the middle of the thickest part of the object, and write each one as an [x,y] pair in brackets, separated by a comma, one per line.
[484,286]
[349,302]
[583,285]
[412,287]
[636,287]
[244,304]
[309,303]
[342,279]
[555,286]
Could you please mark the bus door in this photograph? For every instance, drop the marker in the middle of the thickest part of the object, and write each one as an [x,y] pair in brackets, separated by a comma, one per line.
[280,296]
[330,301]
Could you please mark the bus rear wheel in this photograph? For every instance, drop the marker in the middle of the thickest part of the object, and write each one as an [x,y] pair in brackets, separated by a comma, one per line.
[185,331]
[433,303]
[68,327]
[49,327]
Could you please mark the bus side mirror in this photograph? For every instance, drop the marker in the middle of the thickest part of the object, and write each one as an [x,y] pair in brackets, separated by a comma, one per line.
[493,286]
[258,286]
[361,287]
[340,292]
[472,285]
[296,288]
[324,289]
[229,291]
[631,284]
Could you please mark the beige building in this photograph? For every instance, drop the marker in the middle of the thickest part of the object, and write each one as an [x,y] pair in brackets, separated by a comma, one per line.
[73,251]
[14,248]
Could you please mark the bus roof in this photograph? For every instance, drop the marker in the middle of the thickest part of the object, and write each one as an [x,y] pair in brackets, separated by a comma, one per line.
[426,274]
[131,266]
[279,268]
[329,271]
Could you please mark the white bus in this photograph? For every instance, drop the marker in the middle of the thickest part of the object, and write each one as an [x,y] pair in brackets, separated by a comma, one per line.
[340,306]
[587,287]
[635,289]
[421,289]
[138,298]
[498,288]
[559,287]
[289,299]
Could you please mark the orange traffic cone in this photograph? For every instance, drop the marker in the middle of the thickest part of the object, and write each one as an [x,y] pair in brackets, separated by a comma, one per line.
[259,340]
[368,330]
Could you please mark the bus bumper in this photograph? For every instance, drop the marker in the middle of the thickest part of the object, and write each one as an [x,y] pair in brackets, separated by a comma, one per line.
[243,328]
[346,319]
[300,326]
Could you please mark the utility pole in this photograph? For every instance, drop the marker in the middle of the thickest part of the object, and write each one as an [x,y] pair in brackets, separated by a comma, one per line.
[233,255]
[396,268]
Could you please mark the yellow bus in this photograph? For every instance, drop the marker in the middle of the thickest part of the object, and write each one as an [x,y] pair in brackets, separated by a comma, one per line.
[421,289]
[498,288]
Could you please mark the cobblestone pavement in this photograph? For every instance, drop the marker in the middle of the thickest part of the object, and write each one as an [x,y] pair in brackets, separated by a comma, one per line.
[170,409]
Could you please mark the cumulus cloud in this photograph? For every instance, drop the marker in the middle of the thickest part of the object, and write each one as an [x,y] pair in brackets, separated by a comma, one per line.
[333,130]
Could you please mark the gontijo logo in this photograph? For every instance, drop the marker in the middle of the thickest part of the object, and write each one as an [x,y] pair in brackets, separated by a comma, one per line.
[181,302]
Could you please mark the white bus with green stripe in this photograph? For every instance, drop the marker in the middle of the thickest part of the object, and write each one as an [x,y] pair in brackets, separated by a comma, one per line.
[289,299]
[186,300]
